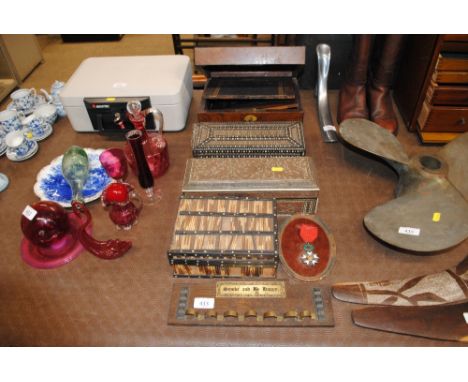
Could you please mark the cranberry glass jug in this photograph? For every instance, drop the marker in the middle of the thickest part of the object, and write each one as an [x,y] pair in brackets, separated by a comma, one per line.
[154,144]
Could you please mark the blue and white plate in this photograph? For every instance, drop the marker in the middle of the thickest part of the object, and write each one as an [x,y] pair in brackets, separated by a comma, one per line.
[51,185]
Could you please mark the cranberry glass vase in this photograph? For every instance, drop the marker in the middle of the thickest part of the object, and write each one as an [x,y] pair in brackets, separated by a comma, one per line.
[115,163]
[135,140]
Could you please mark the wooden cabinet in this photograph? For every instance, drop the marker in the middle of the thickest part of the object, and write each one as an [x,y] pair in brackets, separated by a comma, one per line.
[7,77]
[22,52]
[431,88]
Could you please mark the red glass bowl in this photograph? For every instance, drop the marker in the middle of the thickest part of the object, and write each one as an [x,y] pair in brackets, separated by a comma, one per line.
[60,253]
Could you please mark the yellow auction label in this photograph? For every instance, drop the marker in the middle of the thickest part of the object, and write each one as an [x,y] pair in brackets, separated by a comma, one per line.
[250,118]
[110,99]
[436,216]
[247,289]
[277,169]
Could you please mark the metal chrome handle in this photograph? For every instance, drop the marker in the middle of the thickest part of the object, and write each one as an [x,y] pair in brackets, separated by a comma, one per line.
[327,127]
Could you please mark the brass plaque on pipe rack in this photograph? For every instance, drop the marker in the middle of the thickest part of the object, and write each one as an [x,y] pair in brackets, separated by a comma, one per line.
[250,303]
[266,289]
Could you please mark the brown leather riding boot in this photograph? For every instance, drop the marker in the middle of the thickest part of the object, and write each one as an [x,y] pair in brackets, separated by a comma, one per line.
[352,98]
[381,79]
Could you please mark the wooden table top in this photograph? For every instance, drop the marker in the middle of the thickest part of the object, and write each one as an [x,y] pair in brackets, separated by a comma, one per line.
[125,302]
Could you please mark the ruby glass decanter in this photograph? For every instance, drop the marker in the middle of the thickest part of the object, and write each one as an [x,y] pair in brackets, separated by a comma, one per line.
[120,198]
[75,172]
[154,145]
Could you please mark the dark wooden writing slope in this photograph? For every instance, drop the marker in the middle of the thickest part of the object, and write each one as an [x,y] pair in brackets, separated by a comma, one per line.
[251,83]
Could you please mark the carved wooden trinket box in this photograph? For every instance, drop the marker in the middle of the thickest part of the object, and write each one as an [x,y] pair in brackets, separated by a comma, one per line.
[251,83]
[290,180]
[248,139]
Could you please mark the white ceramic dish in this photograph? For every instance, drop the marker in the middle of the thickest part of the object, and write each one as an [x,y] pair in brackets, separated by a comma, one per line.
[4,182]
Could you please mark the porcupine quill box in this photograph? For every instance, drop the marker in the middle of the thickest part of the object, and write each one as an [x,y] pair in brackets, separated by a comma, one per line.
[225,237]
[248,139]
[290,180]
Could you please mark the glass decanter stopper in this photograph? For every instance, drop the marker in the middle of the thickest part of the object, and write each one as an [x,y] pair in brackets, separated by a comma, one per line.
[136,116]
[154,145]
[125,205]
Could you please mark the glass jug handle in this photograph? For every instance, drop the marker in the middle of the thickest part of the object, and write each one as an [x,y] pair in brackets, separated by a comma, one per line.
[136,200]
[158,120]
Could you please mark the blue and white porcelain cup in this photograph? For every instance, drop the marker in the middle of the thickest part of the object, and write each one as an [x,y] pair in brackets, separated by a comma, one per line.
[47,112]
[24,99]
[10,120]
[18,143]
[35,126]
